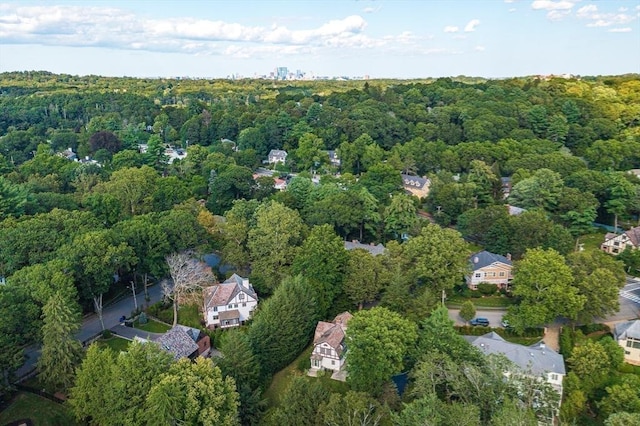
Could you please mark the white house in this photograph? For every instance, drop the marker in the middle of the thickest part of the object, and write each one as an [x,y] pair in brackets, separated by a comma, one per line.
[329,348]
[277,156]
[617,243]
[230,303]
[416,185]
[491,268]
[627,334]
[537,360]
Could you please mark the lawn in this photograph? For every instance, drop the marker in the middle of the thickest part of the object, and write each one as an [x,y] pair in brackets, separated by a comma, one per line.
[592,241]
[118,344]
[40,410]
[152,326]
[282,378]
[188,315]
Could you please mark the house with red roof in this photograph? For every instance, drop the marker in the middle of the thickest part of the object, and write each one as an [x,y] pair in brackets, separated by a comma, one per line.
[617,243]
[230,303]
[329,347]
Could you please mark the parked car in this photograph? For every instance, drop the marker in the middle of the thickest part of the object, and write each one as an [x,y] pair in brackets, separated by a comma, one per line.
[480,321]
[505,324]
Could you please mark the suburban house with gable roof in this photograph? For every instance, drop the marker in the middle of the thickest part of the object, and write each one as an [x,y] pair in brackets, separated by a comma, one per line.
[491,268]
[416,185]
[536,360]
[375,250]
[627,334]
[277,156]
[329,347]
[617,243]
[230,303]
[182,342]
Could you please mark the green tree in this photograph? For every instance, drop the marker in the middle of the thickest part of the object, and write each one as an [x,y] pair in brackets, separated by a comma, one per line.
[284,324]
[132,187]
[13,199]
[544,282]
[542,190]
[235,233]
[378,341]
[273,243]
[309,154]
[467,310]
[60,350]
[590,363]
[363,277]
[300,403]
[622,419]
[382,181]
[351,409]
[232,183]
[400,216]
[322,261]
[193,393]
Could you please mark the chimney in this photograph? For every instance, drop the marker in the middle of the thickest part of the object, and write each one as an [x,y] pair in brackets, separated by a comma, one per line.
[508,256]
[476,259]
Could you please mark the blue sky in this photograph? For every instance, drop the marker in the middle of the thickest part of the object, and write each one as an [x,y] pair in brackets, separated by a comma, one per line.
[395,39]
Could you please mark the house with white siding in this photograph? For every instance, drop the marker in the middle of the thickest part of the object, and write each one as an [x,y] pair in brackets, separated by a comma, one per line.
[329,347]
[230,303]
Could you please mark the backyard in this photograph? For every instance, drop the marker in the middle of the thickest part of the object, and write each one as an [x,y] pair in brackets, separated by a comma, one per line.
[41,411]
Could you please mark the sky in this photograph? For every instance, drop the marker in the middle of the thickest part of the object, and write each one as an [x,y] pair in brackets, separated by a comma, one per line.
[353,38]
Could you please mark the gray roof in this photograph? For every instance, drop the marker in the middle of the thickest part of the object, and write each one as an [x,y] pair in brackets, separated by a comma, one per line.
[484,258]
[515,211]
[178,342]
[277,153]
[415,181]
[627,329]
[537,358]
[374,250]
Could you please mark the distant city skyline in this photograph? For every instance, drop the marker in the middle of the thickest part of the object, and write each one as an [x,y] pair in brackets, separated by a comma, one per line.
[375,38]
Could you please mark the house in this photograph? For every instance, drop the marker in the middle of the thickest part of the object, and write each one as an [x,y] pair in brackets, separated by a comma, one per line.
[515,211]
[416,185]
[180,341]
[537,360]
[617,243]
[334,160]
[506,186]
[634,172]
[68,154]
[329,348]
[491,268]
[373,249]
[277,156]
[230,303]
[627,334]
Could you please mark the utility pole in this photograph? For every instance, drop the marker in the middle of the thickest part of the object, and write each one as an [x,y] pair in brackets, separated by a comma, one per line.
[133,290]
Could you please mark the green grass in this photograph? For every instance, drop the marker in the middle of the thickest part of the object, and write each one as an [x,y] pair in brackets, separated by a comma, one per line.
[188,315]
[118,344]
[152,326]
[282,378]
[40,410]
[481,302]
[592,241]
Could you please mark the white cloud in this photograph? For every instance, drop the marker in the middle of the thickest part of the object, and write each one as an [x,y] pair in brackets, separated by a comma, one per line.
[556,15]
[451,29]
[586,11]
[620,30]
[551,5]
[513,9]
[479,48]
[471,25]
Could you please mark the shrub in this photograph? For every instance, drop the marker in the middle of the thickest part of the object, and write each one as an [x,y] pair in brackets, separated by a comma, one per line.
[487,289]
[106,334]
[593,328]
[304,364]
[142,318]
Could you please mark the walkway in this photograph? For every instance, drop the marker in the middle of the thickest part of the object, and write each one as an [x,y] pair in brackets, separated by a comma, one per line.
[551,336]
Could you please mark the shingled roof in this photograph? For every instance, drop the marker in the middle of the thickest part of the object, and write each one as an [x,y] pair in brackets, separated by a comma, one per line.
[333,332]
[221,294]
[415,181]
[374,250]
[628,329]
[485,258]
[537,358]
[178,341]
[633,234]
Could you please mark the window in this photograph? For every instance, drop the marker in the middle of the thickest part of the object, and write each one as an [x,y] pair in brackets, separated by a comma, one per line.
[627,353]
[215,309]
[244,305]
[502,274]
[235,306]
[230,306]
[333,362]
[241,296]
[215,317]
[478,275]
[554,377]
[616,243]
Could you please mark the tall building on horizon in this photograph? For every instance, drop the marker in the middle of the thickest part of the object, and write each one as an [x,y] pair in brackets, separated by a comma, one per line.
[282,73]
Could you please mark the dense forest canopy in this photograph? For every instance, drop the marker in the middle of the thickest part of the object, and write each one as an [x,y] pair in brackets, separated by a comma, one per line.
[88,190]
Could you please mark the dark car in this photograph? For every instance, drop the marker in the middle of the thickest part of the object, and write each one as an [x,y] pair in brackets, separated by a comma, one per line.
[480,321]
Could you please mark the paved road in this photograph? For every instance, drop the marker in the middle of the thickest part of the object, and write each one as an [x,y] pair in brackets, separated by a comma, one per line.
[91,325]
[494,316]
